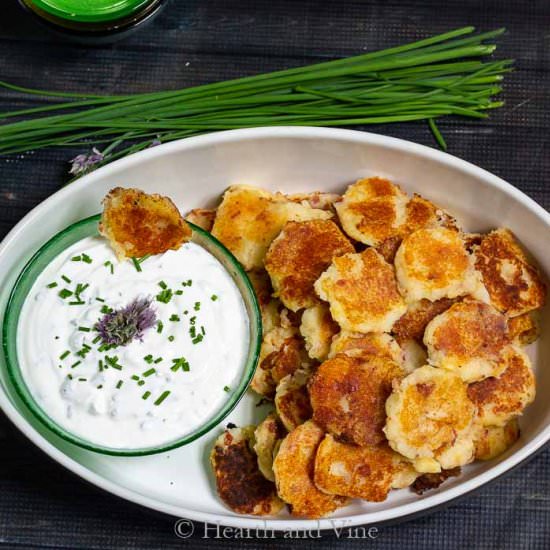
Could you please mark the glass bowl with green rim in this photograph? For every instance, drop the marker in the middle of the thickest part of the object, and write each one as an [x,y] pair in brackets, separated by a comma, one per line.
[93,20]
[89,228]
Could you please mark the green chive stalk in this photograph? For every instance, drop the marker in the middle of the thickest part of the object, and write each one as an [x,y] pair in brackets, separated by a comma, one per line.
[424,80]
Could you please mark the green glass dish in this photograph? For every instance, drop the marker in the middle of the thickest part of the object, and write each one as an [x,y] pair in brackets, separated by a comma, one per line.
[88,228]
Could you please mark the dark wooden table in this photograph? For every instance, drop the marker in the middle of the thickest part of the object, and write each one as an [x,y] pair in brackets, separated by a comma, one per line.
[199,41]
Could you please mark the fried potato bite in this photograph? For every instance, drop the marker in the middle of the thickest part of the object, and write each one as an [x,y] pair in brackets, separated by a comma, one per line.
[492,441]
[499,399]
[524,329]
[414,355]
[430,419]
[373,343]
[267,436]
[292,399]
[348,395]
[294,466]
[468,339]
[318,329]
[360,472]
[514,286]
[240,484]
[282,353]
[298,256]
[362,292]
[203,217]
[248,219]
[434,264]
[412,324]
[269,306]
[137,224]
[372,210]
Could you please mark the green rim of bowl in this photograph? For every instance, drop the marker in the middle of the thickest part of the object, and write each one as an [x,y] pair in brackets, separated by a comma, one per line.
[90,12]
[88,228]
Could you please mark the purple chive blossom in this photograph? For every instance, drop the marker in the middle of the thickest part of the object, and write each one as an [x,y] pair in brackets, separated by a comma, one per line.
[154,143]
[122,326]
[85,162]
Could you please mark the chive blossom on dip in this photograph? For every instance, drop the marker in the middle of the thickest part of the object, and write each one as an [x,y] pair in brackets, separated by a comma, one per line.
[107,352]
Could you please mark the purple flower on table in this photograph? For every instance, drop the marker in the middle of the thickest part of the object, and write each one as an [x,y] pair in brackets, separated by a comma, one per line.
[154,143]
[85,162]
[123,325]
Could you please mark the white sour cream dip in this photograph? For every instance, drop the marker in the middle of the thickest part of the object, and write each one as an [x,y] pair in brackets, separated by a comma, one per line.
[151,391]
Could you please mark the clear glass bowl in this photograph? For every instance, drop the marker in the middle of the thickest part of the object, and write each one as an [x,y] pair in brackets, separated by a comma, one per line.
[87,228]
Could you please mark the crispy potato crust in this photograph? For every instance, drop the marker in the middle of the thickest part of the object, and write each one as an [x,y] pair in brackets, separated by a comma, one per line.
[372,210]
[468,338]
[514,286]
[430,419]
[266,438]
[359,472]
[373,343]
[298,256]
[412,324]
[269,306]
[499,399]
[292,399]
[318,329]
[240,484]
[434,264]
[137,224]
[348,395]
[524,329]
[362,292]
[248,219]
[492,441]
[427,482]
[294,467]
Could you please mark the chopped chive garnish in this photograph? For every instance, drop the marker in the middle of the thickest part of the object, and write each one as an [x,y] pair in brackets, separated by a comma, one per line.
[157,360]
[203,332]
[148,372]
[198,338]
[163,285]
[148,358]
[164,296]
[180,363]
[100,386]
[66,279]
[77,303]
[226,388]
[113,362]
[105,309]
[110,265]
[64,354]
[100,365]
[146,395]
[64,293]
[86,258]
[141,382]
[75,364]
[160,326]
[119,384]
[162,397]
[136,264]
[213,297]
[197,306]
[76,258]
[51,285]
[135,377]
[84,329]
[171,338]
[178,292]
[186,312]
[99,299]
[96,339]
[175,318]
[193,320]
[82,379]
[70,376]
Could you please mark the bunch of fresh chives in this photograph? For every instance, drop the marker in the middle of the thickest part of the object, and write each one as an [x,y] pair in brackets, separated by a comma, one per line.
[424,80]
